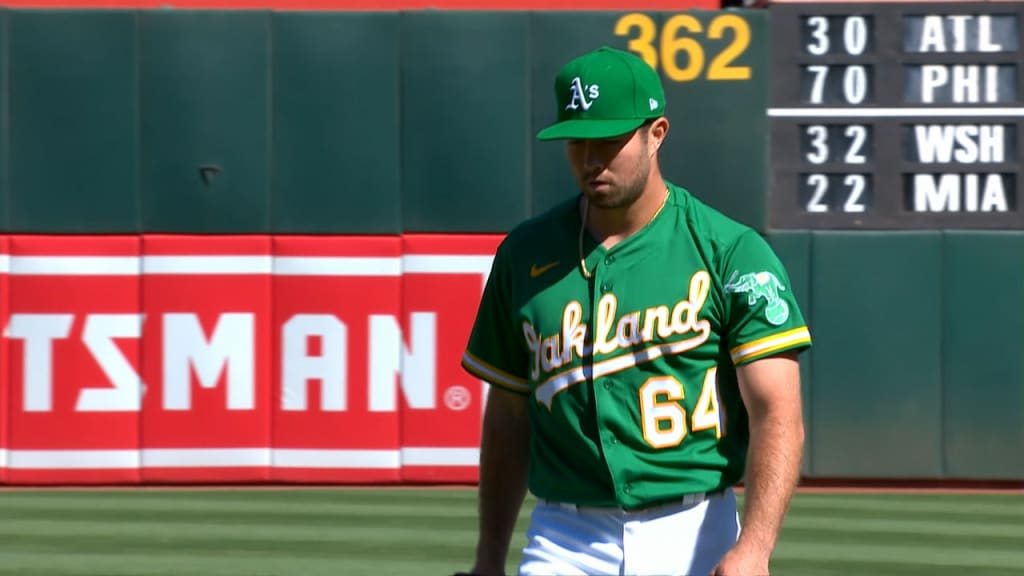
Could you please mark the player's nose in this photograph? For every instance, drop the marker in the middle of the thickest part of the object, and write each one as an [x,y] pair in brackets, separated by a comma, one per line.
[593,156]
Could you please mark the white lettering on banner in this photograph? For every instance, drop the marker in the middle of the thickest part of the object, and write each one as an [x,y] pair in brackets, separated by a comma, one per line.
[229,349]
[98,336]
[415,365]
[402,357]
[38,331]
[298,367]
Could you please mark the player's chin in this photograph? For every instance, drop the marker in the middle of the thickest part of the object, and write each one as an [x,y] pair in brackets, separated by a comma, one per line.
[602,195]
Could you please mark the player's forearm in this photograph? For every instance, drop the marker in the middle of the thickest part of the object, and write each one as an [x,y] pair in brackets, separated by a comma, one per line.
[773,470]
[504,451]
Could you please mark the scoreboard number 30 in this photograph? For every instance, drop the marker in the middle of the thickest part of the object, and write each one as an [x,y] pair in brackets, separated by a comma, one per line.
[681,35]
[854,35]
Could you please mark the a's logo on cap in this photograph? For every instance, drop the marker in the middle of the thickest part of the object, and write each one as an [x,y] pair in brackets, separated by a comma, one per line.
[580,95]
[653,103]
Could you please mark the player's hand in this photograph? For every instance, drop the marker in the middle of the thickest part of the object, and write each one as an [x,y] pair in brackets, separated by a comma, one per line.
[741,562]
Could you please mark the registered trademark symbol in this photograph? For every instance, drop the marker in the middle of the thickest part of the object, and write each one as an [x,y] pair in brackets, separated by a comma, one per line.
[456,398]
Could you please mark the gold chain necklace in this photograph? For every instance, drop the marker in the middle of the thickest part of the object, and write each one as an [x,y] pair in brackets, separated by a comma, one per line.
[583,226]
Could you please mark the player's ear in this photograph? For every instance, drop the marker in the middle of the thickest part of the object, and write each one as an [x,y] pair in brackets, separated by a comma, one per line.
[656,133]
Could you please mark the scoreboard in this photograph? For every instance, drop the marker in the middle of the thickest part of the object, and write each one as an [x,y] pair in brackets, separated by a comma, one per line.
[896,115]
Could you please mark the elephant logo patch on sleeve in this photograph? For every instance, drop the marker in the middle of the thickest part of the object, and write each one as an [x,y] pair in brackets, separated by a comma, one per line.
[757,285]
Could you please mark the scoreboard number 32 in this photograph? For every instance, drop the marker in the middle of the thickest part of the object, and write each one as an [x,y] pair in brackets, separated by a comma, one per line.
[819,151]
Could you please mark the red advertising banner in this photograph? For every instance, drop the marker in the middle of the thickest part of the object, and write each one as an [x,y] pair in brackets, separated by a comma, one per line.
[374,5]
[5,402]
[442,279]
[207,358]
[332,422]
[239,359]
[73,332]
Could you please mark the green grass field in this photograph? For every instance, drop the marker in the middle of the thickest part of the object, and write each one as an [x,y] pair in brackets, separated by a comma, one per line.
[432,532]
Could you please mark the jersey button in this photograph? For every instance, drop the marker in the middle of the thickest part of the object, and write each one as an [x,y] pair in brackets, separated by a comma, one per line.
[606,287]
[607,385]
[609,260]
[627,489]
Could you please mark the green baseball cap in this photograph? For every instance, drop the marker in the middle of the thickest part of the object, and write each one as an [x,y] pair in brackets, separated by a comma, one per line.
[603,94]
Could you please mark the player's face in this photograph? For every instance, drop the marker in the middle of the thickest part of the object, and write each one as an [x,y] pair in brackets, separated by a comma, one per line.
[612,173]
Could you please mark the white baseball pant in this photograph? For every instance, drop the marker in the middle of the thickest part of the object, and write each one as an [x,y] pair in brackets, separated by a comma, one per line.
[685,538]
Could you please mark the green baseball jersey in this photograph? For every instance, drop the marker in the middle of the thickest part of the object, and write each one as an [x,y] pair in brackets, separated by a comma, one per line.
[631,374]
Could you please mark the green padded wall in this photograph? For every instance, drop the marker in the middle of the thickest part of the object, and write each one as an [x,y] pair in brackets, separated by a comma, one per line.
[877,311]
[794,250]
[72,120]
[983,370]
[717,145]
[335,123]
[204,91]
[464,121]
[346,122]
[5,124]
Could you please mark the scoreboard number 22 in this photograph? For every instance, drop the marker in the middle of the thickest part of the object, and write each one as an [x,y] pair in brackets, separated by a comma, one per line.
[827,192]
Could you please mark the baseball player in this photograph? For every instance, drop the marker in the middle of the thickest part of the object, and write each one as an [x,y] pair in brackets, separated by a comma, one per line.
[642,353]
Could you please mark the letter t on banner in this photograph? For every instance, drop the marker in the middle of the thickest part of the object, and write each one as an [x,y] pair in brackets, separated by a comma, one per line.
[73,353]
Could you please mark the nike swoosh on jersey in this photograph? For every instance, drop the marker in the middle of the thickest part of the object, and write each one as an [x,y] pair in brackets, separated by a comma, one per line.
[536,271]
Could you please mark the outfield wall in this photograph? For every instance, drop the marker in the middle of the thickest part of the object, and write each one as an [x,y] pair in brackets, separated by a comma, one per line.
[239,358]
[248,246]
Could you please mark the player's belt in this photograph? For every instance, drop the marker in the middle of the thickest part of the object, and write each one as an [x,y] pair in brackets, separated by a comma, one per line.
[683,502]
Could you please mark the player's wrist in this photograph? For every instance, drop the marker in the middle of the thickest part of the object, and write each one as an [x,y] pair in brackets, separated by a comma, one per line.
[751,545]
